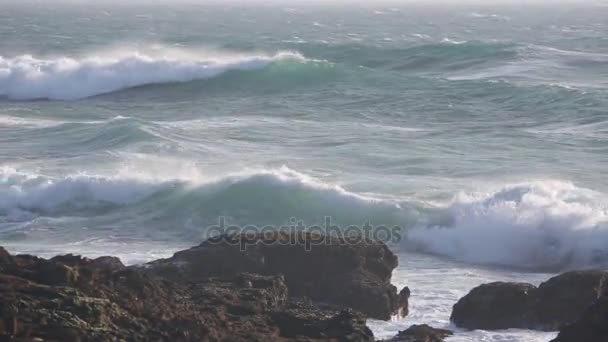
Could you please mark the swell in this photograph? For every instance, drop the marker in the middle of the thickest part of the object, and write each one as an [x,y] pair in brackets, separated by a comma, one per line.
[541,65]
[286,193]
[461,60]
[546,225]
[433,56]
[480,62]
[46,136]
[65,78]
[69,78]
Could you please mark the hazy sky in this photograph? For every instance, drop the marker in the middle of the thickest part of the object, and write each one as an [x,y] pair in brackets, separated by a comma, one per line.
[361,2]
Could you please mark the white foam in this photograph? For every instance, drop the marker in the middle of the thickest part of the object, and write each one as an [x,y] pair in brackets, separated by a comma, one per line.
[67,78]
[544,224]
[490,15]
[30,122]
[436,284]
[21,191]
[453,41]
[536,225]
[420,35]
[16,121]
[594,130]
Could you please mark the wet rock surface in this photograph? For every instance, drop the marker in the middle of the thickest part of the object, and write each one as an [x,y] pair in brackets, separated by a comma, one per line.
[559,301]
[493,306]
[404,299]
[563,299]
[70,298]
[421,333]
[350,273]
[592,326]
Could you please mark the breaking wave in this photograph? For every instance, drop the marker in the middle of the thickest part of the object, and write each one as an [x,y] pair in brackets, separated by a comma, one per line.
[262,196]
[66,78]
[536,225]
[22,192]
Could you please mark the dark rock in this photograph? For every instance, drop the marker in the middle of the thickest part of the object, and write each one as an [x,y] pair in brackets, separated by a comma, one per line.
[301,320]
[494,306]
[556,302]
[404,299]
[101,300]
[61,270]
[5,257]
[353,273]
[421,333]
[564,298]
[592,326]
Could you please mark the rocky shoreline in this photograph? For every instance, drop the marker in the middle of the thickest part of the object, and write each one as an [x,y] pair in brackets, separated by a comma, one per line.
[575,303]
[271,287]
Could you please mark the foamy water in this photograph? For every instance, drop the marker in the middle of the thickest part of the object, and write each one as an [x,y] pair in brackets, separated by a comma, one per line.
[437,284]
[65,78]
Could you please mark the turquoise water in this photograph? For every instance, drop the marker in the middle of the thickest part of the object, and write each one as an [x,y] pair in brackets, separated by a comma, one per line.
[482,131]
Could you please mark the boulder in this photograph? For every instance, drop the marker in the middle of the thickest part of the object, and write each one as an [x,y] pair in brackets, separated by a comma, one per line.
[497,305]
[592,326]
[101,300]
[555,303]
[563,299]
[421,333]
[353,273]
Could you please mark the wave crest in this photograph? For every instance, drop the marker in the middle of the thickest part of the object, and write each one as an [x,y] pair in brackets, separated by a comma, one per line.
[31,193]
[26,77]
[260,196]
[538,225]
[544,225]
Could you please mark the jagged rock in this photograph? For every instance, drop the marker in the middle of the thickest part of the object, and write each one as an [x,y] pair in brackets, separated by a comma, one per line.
[421,333]
[301,320]
[592,326]
[102,300]
[352,273]
[60,270]
[556,302]
[404,300]
[497,305]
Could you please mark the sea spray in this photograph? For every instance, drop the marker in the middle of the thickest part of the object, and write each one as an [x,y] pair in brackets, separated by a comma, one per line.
[65,78]
[535,225]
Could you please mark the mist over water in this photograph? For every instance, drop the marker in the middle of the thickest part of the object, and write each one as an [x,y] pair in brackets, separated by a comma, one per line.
[481,130]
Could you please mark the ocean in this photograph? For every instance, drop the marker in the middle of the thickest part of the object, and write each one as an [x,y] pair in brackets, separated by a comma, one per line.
[480,130]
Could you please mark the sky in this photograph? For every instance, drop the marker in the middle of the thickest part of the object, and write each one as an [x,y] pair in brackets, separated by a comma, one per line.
[359,2]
